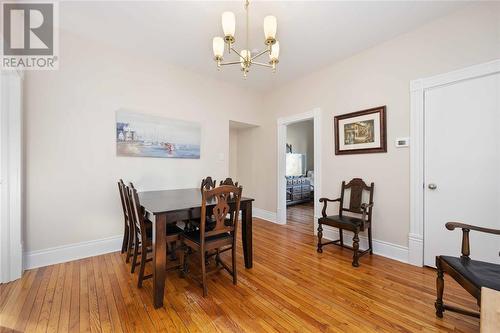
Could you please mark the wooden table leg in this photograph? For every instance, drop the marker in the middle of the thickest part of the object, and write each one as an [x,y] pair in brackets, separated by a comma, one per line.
[159,259]
[246,233]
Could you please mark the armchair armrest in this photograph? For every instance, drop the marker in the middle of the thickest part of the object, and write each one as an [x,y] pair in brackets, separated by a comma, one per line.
[453,225]
[466,228]
[365,206]
[325,202]
[364,209]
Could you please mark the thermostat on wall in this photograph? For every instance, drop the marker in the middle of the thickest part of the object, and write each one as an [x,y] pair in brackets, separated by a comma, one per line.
[402,142]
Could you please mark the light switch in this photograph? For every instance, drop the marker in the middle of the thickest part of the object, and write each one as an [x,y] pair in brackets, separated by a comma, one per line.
[221,157]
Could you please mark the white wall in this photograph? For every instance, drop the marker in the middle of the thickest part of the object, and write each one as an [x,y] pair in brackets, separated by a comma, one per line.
[301,136]
[71,163]
[72,168]
[233,153]
[380,76]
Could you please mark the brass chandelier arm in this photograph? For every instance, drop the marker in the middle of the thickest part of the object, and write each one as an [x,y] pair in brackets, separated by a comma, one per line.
[261,64]
[230,63]
[236,52]
[259,54]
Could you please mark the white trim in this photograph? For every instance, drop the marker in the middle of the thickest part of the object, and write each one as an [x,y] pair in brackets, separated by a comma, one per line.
[382,248]
[64,253]
[11,246]
[417,90]
[265,215]
[282,122]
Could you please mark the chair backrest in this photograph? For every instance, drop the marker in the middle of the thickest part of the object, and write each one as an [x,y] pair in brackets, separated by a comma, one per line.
[356,186]
[137,212]
[208,183]
[225,213]
[122,189]
[228,181]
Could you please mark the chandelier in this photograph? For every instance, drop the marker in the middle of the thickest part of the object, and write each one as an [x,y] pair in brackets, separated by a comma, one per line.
[246,59]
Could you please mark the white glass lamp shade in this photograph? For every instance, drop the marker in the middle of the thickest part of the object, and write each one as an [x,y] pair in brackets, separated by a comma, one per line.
[275,51]
[218,46]
[245,55]
[270,27]
[228,23]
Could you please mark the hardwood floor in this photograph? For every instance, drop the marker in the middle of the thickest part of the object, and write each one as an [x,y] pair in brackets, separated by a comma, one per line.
[290,289]
[300,218]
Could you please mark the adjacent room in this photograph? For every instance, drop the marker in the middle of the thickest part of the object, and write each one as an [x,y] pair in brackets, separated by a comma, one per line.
[300,174]
[249,166]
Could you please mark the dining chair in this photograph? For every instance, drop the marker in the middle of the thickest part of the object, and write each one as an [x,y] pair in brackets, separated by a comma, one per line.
[221,236]
[356,224]
[228,181]
[194,223]
[126,224]
[208,183]
[144,237]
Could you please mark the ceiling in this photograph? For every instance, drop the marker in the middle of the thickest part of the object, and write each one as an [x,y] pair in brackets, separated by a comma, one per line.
[312,34]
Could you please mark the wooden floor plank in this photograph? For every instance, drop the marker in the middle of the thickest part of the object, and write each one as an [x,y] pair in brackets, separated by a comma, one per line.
[291,288]
[43,319]
[36,308]
[55,311]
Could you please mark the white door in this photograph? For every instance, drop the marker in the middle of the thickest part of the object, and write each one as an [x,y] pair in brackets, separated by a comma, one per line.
[462,167]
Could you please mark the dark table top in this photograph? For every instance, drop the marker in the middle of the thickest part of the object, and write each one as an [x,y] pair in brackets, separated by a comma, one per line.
[157,202]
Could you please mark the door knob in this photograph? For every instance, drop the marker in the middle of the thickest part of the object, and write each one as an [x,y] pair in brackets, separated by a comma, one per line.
[432,186]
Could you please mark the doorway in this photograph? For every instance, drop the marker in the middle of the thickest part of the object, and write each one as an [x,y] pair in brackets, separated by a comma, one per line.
[299,166]
[299,172]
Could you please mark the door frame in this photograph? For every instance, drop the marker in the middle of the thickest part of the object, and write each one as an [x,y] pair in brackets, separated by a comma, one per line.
[418,90]
[282,122]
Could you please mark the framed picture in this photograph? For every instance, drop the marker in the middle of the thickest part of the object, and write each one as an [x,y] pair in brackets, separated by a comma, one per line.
[361,132]
[141,135]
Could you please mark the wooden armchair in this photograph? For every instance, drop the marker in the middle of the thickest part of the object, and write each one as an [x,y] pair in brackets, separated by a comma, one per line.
[472,275]
[351,223]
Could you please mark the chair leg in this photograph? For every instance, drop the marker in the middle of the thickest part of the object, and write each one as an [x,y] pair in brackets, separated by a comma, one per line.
[144,256]
[136,253]
[233,254]
[320,235]
[125,239]
[129,246]
[217,257]
[370,240]
[203,273]
[439,289]
[181,261]
[173,254]
[341,237]
[186,251]
[355,248]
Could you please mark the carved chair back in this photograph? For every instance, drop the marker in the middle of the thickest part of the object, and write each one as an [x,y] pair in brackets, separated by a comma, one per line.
[208,183]
[225,212]
[356,186]
[228,181]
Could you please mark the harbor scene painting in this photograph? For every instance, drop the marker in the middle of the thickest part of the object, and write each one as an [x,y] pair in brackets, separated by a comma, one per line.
[141,135]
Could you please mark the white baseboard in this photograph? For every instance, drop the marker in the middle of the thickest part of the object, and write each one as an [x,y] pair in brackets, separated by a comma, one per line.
[60,254]
[385,249]
[265,215]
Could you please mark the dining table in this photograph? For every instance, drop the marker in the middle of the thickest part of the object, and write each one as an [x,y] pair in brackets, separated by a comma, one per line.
[172,206]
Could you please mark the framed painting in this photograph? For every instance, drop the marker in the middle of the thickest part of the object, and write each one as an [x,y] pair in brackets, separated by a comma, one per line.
[141,135]
[361,132]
